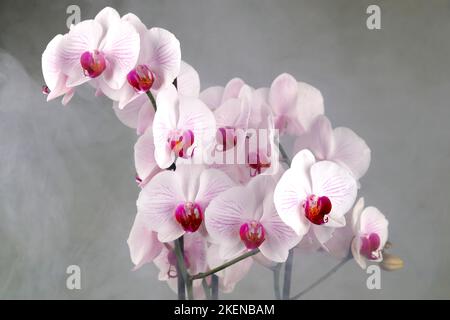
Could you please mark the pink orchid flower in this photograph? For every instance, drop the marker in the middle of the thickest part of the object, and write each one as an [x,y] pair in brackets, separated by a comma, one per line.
[181,126]
[139,112]
[175,201]
[143,243]
[340,145]
[370,229]
[104,49]
[314,195]
[157,66]
[295,104]
[244,218]
[194,258]
[229,277]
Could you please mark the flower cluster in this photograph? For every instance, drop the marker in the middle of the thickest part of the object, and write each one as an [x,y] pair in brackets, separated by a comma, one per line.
[218,191]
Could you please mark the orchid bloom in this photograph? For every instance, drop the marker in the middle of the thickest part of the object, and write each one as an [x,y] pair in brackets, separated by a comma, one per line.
[105,49]
[314,195]
[195,261]
[244,218]
[157,66]
[295,104]
[181,126]
[143,243]
[175,201]
[340,145]
[139,112]
[370,229]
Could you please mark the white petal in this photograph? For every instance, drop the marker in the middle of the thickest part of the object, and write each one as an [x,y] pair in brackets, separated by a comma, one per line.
[351,151]
[121,47]
[188,81]
[335,182]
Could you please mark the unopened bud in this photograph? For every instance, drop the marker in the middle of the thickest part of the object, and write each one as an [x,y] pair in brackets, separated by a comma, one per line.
[391,262]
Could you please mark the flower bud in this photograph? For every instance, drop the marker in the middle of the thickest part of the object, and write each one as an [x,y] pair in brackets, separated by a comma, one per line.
[391,262]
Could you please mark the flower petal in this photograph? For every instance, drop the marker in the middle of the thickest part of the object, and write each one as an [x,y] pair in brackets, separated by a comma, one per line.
[84,36]
[161,51]
[283,94]
[121,48]
[212,97]
[143,243]
[335,182]
[144,159]
[373,221]
[157,201]
[226,213]
[232,89]
[188,81]
[319,139]
[280,238]
[293,187]
[351,151]
[310,104]
[212,183]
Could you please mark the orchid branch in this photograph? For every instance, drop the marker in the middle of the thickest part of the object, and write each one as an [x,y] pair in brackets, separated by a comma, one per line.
[215,287]
[181,269]
[322,278]
[202,275]
[276,280]
[288,275]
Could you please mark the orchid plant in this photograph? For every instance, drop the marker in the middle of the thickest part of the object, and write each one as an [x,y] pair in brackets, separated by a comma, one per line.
[218,190]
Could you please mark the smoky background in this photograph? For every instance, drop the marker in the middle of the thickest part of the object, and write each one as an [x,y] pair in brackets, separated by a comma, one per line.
[67,190]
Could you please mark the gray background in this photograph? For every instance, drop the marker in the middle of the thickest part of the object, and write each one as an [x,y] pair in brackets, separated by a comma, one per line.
[67,192]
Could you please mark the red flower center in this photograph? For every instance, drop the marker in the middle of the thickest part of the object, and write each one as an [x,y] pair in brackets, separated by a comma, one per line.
[93,63]
[370,245]
[258,162]
[180,142]
[141,78]
[189,215]
[317,208]
[252,234]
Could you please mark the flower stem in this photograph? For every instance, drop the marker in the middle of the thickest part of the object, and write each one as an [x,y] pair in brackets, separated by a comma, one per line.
[284,154]
[202,275]
[215,287]
[322,278]
[276,281]
[152,99]
[181,268]
[206,289]
[288,275]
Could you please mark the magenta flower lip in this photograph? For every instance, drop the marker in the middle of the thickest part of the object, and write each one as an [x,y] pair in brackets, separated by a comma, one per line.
[189,215]
[93,63]
[317,208]
[141,78]
[252,234]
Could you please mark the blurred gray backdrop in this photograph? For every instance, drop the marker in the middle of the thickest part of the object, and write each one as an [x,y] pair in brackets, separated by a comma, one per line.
[67,190]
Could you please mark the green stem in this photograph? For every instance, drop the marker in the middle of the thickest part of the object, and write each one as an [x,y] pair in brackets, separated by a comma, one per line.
[152,99]
[288,275]
[202,275]
[215,287]
[284,154]
[322,278]
[276,281]
[206,289]
[181,269]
